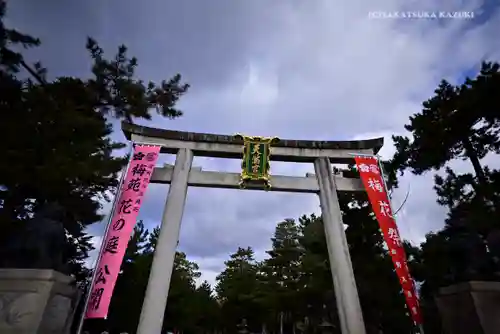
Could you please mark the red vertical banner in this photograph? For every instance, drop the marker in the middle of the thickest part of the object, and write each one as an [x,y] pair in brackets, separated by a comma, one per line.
[373,181]
[122,223]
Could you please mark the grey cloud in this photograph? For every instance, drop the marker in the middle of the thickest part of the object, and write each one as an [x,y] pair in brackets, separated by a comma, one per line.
[317,93]
[204,41]
[209,263]
[420,214]
[294,69]
[217,222]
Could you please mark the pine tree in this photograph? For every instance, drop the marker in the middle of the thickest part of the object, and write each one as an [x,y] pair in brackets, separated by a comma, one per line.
[283,270]
[236,287]
[59,147]
[458,122]
[453,124]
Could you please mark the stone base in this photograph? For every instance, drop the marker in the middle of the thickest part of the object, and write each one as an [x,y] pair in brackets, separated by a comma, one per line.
[472,307]
[35,301]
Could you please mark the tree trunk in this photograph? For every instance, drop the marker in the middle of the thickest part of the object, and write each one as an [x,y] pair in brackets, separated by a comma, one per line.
[472,155]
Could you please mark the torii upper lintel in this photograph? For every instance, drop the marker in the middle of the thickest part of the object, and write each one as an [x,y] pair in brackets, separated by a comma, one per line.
[227,146]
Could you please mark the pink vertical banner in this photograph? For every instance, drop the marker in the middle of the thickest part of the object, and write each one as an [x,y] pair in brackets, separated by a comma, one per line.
[121,226]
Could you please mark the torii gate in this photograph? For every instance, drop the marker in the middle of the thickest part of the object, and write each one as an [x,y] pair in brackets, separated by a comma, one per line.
[188,144]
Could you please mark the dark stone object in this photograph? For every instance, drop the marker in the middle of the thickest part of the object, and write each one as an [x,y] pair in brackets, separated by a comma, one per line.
[470,308]
[40,243]
[36,301]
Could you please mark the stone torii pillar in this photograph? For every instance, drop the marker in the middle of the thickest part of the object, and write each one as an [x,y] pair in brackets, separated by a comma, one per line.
[325,183]
[346,292]
[155,300]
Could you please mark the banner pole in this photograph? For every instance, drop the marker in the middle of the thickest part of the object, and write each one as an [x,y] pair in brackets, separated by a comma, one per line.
[108,224]
[385,184]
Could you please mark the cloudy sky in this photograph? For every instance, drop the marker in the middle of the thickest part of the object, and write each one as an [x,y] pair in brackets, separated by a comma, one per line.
[308,69]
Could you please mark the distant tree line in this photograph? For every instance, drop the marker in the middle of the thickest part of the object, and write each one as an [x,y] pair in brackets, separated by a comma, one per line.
[292,289]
